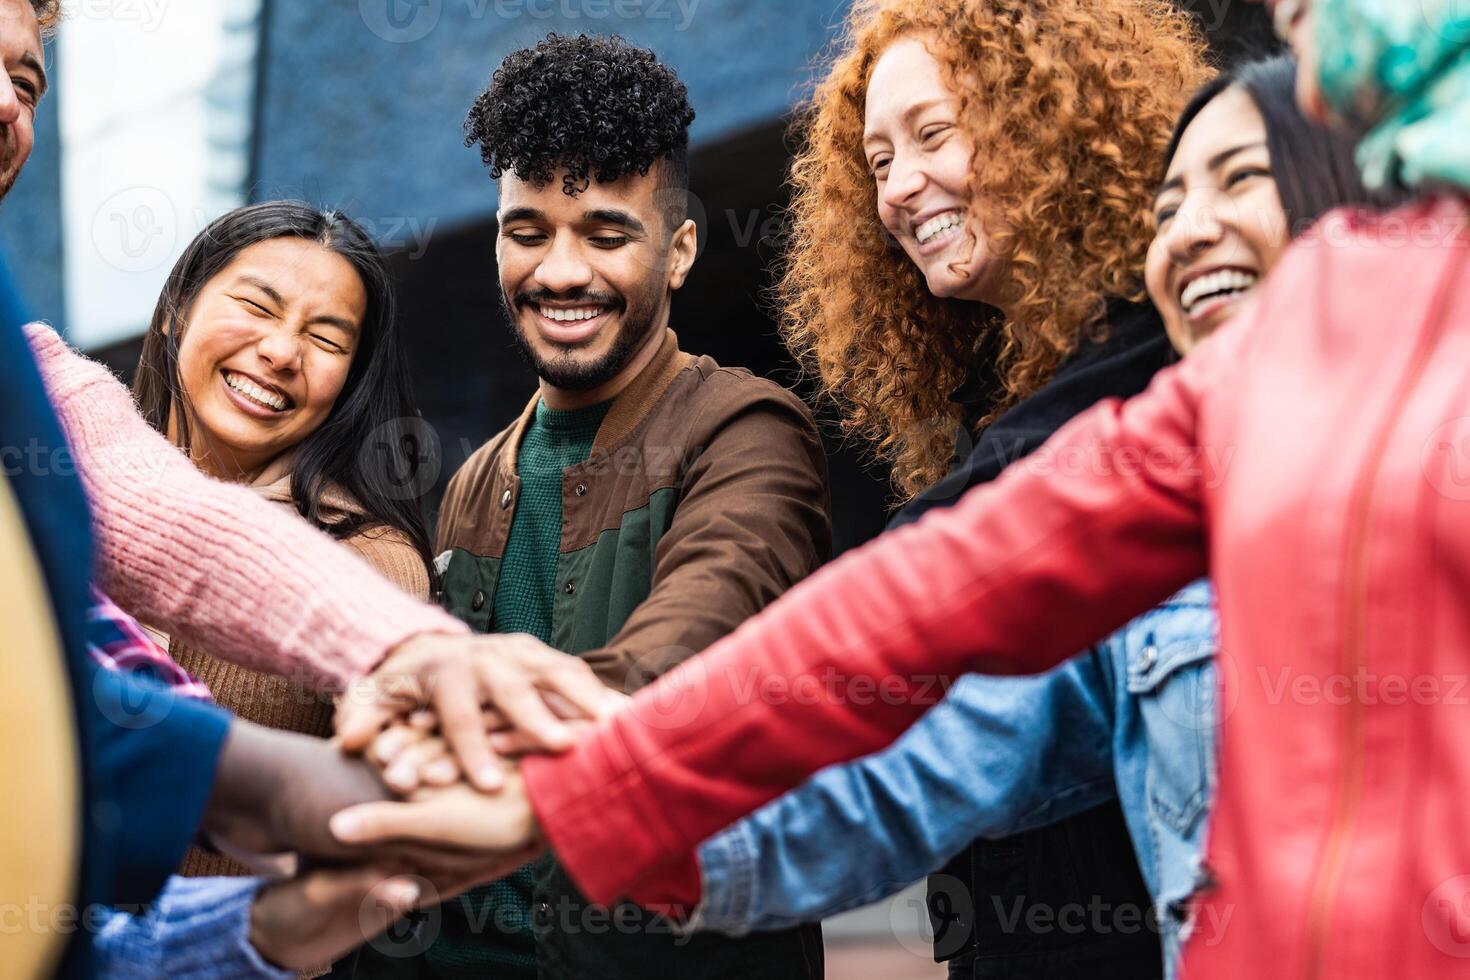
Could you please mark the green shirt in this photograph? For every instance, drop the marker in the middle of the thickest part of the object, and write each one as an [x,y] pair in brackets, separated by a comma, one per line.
[488,931]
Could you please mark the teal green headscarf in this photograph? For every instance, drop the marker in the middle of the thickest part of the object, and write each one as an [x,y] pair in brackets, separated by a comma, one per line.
[1400,70]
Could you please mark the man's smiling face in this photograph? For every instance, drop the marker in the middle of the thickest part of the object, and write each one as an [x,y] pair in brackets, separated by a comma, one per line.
[586,279]
[21,89]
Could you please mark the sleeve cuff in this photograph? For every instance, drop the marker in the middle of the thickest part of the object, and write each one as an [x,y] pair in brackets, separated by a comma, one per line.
[581,802]
[199,929]
[205,931]
[727,883]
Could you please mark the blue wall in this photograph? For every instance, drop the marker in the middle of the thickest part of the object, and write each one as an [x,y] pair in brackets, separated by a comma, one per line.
[364,100]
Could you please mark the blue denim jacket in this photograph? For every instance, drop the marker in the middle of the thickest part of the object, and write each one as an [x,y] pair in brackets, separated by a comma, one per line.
[1133,718]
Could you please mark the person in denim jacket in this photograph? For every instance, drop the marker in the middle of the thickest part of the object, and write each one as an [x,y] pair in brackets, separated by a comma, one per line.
[1133,718]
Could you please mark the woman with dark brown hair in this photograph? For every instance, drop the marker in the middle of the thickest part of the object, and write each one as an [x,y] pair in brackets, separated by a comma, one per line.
[273,361]
[971,216]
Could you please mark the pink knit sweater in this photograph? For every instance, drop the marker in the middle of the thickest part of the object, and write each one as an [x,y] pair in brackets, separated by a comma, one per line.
[213,563]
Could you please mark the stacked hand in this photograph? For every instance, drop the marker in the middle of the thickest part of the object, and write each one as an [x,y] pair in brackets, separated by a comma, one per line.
[443,706]
[512,684]
[437,707]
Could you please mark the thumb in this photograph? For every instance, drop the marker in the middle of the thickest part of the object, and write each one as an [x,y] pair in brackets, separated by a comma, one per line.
[332,887]
[390,900]
[371,823]
[360,716]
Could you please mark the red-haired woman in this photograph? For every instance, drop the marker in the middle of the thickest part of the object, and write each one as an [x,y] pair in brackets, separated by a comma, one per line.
[971,214]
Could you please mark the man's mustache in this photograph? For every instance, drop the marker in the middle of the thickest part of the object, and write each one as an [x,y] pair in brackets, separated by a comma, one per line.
[538,296]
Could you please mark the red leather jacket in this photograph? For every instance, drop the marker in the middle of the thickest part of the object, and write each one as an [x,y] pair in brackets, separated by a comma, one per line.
[1315,461]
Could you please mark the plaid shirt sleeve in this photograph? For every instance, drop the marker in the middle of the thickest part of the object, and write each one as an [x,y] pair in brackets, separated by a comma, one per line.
[117,642]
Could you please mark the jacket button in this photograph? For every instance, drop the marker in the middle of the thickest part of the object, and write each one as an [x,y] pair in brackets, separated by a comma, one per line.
[505,500]
[541,914]
[570,588]
[1150,655]
[580,490]
[478,602]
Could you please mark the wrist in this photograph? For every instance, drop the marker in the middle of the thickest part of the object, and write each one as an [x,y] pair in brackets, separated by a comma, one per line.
[261,930]
[243,806]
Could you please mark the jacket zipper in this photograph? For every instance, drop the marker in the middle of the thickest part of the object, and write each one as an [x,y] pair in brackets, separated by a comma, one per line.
[1355,588]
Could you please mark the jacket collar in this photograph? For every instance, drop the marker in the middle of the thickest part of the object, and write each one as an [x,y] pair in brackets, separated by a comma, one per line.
[629,408]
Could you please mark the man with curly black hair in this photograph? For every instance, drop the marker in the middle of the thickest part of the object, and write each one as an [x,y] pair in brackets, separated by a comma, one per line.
[645,503]
[559,116]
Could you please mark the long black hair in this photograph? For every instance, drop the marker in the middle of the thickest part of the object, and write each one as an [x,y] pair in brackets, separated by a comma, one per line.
[366,447]
[1313,166]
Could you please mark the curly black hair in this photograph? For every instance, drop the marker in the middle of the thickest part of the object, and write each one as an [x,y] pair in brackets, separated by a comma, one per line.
[598,107]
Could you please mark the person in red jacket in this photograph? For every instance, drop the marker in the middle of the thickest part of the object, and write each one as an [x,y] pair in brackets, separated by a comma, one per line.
[1309,457]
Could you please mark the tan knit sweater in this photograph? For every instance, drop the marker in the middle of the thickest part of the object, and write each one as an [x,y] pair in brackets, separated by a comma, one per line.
[281,702]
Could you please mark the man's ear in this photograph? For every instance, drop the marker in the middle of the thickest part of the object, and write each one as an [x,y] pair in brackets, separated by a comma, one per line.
[683,249]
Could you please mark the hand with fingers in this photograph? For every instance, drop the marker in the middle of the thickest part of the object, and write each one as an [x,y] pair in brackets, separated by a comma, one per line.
[522,681]
[413,752]
[325,913]
[275,792]
[497,827]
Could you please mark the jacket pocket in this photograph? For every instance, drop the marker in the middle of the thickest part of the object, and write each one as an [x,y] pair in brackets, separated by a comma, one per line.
[1171,672]
[468,586]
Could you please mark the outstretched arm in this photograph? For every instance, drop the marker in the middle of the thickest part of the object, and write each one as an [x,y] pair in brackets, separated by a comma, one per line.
[217,566]
[212,562]
[998,756]
[1102,523]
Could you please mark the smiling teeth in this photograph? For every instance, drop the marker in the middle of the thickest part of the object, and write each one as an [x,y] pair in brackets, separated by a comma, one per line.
[256,394]
[569,316]
[1224,281]
[937,225]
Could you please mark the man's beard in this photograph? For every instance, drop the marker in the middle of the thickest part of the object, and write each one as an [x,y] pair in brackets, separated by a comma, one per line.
[564,371]
[8,170]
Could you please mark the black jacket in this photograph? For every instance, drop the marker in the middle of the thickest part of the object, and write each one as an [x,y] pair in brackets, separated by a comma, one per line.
[980,903]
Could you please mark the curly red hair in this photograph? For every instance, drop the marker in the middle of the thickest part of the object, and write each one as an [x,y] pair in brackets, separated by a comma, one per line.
[1074,102]
[48,13]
